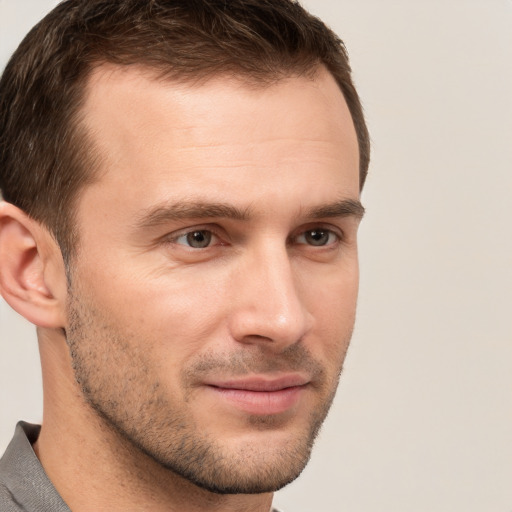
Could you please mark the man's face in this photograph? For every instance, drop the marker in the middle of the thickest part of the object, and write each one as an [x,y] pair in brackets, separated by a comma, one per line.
[212,297]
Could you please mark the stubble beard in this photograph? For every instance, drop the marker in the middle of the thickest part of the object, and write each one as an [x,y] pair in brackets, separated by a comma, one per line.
[120,385]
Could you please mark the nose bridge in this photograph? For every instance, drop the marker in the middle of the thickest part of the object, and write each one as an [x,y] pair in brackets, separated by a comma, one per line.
[268,304]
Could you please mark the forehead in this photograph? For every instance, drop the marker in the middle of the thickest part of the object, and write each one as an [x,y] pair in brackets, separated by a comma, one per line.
[169,137]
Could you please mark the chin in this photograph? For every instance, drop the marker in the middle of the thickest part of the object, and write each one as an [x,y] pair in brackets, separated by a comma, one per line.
[248,474]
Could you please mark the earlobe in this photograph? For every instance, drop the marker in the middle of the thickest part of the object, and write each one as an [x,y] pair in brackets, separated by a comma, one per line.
[27,280]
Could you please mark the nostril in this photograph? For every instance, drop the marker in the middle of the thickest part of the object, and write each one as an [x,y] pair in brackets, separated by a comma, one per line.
[258,337]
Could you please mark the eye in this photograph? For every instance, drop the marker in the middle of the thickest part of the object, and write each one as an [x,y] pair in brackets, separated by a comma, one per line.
[318,237]
[197,239]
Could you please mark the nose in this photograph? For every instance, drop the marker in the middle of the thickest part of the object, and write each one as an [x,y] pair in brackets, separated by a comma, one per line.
[267,306]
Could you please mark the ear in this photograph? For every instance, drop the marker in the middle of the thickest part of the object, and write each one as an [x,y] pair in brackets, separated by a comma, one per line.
[32,276]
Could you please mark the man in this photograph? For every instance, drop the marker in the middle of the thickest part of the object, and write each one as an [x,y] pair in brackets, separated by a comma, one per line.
[181,185]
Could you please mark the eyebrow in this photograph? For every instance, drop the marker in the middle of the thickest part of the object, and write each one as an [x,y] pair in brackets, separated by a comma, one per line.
[343,208]
[165,213]
[162,214]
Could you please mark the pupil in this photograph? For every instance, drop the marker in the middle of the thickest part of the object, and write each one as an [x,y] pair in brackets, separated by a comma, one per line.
[199,239]
[317,237]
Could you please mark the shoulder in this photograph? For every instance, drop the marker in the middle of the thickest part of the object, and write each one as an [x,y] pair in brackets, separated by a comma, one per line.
[7,501]
[16,468]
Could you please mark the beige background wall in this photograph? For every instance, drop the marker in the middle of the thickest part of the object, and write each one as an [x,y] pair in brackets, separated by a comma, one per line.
[423,418]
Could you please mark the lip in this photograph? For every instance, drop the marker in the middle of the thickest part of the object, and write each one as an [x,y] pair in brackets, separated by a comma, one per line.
[261,395]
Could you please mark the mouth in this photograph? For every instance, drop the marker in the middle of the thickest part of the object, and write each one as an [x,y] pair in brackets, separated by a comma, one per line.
[260,395]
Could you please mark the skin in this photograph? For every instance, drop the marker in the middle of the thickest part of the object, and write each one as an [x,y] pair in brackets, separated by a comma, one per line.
[196,378]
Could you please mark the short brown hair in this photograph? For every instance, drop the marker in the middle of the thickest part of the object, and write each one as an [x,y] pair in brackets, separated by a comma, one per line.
[45,156]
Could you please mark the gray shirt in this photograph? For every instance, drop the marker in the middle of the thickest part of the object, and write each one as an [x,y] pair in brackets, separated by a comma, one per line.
[24,485]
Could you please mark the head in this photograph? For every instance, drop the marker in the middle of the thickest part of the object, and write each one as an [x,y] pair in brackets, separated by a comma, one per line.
[198,165]
[46,155]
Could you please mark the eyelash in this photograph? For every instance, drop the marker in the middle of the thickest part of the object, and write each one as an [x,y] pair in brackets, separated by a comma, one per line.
[334,237]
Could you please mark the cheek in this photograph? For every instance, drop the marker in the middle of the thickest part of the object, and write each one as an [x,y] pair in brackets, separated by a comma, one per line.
[177,315]
[332,293]
[333,306]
